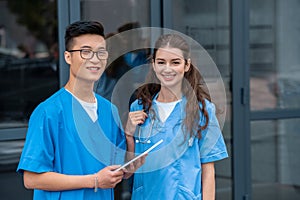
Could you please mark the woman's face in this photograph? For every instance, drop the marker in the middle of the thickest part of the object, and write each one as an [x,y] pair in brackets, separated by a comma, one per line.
[169,66]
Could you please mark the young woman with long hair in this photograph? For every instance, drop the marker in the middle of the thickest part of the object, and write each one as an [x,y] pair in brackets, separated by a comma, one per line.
[174,105]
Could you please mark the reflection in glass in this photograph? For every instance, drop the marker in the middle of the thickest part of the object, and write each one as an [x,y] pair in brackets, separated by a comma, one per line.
[275,167]
[28,75]
[28,58]
[274,54]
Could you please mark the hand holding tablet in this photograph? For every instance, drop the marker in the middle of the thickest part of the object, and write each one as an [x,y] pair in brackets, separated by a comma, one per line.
[139,156]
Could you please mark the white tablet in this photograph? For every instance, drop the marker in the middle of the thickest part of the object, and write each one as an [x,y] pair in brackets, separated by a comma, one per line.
[142,154]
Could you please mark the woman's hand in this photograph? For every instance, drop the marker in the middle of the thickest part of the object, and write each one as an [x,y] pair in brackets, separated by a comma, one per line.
[134,118]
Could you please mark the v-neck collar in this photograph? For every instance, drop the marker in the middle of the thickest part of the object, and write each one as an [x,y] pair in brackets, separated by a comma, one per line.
[75,102]
[181,103]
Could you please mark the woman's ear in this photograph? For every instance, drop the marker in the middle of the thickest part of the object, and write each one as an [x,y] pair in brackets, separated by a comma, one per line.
[153,65]
[67,57]
[187,65]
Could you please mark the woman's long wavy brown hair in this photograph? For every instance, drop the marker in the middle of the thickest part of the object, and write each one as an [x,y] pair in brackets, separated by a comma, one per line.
[193,87]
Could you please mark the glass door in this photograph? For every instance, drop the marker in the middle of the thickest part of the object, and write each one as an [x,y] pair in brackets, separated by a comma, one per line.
[275,99]
[208,22]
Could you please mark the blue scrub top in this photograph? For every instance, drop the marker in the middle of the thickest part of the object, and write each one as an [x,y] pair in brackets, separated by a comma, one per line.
[173,169]
[62,138]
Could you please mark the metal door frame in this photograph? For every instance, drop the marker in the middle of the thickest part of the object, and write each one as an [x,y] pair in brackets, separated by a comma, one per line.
[241,140]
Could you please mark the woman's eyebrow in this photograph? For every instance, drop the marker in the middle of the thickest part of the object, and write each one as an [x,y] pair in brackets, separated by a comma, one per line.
[162,59]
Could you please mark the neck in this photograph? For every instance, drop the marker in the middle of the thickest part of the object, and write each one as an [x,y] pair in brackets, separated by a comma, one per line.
[166,95]
[81,90]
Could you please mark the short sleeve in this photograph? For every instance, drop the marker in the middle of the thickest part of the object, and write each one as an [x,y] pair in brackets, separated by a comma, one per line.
[38,152]
[212,145]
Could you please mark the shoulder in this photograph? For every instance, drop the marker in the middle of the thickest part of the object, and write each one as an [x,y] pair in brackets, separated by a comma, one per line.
[210,106]
[136,105]
[57,99]
[51,105]
[57,96]
[211,111]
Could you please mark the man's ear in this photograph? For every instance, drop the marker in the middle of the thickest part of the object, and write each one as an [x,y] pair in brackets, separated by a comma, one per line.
[187,65]
[67,57]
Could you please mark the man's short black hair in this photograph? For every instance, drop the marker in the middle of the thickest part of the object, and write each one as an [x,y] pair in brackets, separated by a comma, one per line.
[81,28]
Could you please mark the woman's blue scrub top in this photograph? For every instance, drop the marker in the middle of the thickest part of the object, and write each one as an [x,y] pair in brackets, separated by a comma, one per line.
[173,169]
[62,138]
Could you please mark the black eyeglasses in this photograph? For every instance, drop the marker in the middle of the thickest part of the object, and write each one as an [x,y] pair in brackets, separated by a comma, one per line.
[89,54]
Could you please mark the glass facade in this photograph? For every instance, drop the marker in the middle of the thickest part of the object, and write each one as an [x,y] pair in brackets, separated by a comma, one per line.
[114,14]
[274,59]
[28,75]
[275,167]
[28,62]
[30,72]
[274,80]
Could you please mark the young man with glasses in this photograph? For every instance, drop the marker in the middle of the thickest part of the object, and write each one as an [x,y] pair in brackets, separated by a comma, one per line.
[74,138]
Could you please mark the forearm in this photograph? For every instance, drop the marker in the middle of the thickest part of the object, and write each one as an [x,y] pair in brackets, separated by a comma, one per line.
[208,181]
[130,143]
[52,181]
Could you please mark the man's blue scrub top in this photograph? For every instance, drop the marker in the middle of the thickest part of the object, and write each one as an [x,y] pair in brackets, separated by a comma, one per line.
[173,169]
[62,138]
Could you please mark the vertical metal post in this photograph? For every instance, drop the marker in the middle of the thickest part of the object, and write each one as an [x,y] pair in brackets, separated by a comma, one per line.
[74,10]
[240,100]
[167,14]
[155,13]
[63,21]
[68,12]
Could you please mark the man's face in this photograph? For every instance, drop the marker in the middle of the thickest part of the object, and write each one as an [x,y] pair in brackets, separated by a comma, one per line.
[87,70]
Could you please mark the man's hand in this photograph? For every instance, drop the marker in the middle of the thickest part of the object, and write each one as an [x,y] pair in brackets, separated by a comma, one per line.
[108,178]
